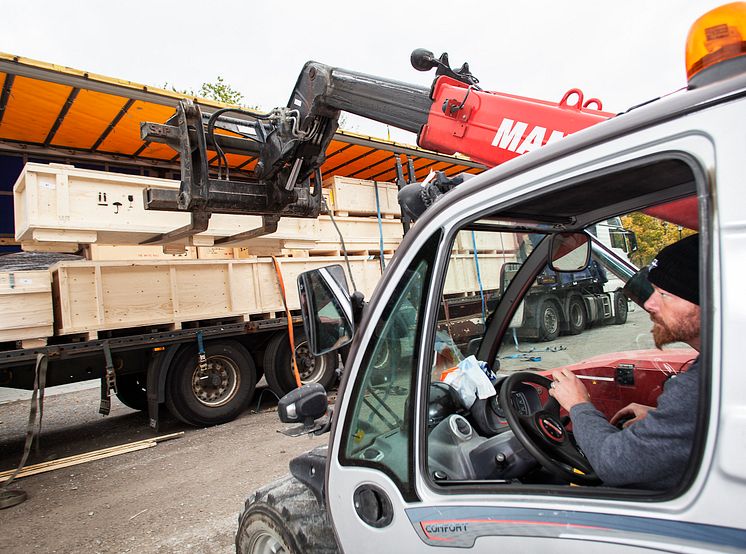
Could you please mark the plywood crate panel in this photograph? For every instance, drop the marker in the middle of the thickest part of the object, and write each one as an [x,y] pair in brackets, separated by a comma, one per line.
[358,197]
[25,305]
[215,253]
[65,207]
[486,241]
[94,296]
[360,233]
[119,252]
[462,272]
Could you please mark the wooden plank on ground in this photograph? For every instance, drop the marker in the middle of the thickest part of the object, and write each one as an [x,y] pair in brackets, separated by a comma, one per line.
[88,456]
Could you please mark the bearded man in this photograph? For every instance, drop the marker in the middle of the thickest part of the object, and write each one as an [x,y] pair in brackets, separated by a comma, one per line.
[653,448]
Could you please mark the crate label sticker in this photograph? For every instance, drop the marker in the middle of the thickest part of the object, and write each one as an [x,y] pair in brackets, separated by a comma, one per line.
[26,281]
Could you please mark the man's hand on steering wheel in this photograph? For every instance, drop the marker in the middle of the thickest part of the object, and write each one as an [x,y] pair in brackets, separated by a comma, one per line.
[568,389]
[542,432]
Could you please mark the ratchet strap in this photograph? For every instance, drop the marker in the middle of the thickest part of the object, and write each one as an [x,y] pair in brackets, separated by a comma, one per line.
[201,356]
[108,381]
[291,336]
[9,498]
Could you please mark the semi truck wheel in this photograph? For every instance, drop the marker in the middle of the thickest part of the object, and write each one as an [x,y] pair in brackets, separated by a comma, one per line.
[278,365]
[284,517]
[216,395]
[620,308]
[576,316]
[131,390]
[549,321]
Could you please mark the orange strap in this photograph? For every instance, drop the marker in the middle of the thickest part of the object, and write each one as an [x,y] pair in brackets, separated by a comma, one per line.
[291,336]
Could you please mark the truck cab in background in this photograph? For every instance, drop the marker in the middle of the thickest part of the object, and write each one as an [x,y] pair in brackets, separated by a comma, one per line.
[413,467]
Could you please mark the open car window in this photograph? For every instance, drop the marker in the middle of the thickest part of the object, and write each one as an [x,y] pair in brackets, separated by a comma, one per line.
[498,277]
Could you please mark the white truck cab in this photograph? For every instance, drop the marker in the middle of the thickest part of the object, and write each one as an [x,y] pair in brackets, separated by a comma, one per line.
[412,468]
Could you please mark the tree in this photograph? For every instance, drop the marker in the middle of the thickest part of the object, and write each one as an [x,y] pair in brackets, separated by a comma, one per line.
[653,235]
[218,90]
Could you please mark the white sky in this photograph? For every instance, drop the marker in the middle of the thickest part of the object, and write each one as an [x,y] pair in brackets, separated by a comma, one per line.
[623,52]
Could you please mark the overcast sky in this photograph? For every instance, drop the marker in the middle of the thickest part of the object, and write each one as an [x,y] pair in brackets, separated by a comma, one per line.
[623,52]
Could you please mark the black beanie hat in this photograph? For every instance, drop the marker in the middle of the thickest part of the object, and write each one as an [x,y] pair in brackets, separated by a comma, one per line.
[676,269]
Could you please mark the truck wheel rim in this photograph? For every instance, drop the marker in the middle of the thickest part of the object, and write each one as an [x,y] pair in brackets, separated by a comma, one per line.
[266,542]
[218,385]
[550,320]
[576,315]
[311,368]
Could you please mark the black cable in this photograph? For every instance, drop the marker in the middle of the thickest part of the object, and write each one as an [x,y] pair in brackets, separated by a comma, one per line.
[342,240]
[211,134]
[261,395]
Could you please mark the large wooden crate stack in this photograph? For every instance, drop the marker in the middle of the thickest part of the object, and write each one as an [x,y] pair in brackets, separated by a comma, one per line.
[123,284]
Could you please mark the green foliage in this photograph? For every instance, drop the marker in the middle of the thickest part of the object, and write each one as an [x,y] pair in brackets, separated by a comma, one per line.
[653,235]
[218,90]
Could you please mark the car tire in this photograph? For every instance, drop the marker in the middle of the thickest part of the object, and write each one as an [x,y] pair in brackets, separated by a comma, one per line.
[278,365]
[621,308]
[220,395]
[549,321]
[576,316]
[284,517]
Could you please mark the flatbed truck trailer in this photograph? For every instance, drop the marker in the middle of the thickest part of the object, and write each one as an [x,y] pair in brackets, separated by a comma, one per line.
[162,365]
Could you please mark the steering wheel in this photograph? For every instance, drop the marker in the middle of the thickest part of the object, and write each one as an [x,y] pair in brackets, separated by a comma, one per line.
[543,434]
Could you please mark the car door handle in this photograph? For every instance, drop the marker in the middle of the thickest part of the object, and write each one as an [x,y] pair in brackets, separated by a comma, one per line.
[373,506]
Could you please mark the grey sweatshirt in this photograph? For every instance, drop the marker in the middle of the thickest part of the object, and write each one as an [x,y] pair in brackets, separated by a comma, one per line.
[650,454]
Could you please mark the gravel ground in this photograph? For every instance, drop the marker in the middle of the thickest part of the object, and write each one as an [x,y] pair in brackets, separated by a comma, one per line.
[183,495]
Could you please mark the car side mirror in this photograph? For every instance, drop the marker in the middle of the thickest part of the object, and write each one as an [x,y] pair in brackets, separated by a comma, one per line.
[304,405]
[327,308]
[632,238]
[569,252]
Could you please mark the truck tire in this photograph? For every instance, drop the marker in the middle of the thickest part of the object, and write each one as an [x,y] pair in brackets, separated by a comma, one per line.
[278,365]
[284,517]
[576,316]
[131,390]
[621,307]
[549,321]
[220,395]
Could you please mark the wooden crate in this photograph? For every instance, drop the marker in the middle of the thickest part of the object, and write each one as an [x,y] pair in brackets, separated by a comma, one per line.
[62,204]
[94,296]
[486,241]
[462,272]
[358,197]
[26,307]
[60,207]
